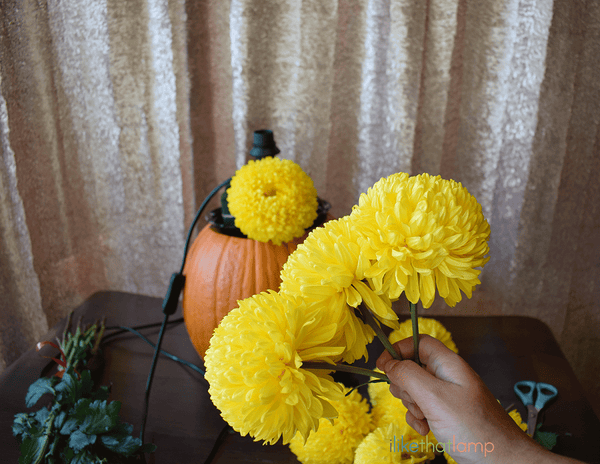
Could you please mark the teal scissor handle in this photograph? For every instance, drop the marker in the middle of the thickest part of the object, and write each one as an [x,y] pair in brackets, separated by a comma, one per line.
[544,393]
[524,390]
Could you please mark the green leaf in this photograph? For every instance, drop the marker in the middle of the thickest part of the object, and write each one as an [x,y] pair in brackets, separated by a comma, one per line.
[32,449]
[87,384]
[52,448]
[42,415]
[37,389]
[67,454]
[79,440]
[24,424]
[99,417]
[122,430]
[148,448]
[546,439]
[69,426]
[86,457]
[60,420]
[69,389]
[101,393]
[125,445]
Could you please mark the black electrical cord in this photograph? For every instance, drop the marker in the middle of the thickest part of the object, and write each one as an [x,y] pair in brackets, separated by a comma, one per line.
[198,214]
[151,376]
[118,330]
[171,301]
[218,442]
[163,352]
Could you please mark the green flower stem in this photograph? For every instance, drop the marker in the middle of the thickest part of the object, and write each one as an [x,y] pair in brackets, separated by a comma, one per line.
[370,319]
[47,432]
[345,368]
[99,336]
[415,325]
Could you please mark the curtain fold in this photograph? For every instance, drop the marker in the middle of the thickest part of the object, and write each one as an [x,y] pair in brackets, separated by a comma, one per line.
[119,117]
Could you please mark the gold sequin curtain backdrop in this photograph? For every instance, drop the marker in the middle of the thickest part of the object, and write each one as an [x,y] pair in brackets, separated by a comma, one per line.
[95,188]
[101,115]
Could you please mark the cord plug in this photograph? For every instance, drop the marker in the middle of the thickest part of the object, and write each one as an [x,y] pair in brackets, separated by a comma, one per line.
[172,297]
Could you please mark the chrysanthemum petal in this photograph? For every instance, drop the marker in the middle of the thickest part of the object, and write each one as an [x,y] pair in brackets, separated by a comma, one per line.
[376,304]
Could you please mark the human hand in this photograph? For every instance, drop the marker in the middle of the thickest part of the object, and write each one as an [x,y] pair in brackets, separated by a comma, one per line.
[448,397]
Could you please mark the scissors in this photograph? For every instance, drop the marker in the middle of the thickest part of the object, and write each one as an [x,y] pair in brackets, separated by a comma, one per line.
[525,391]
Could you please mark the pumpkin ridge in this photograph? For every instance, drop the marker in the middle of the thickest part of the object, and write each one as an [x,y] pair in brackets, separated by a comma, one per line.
[247,276]
[216,295]
[262,280]
[195,298]
[228,278]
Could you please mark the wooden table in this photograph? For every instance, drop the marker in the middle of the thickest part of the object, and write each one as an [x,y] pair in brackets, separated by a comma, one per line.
[184,424]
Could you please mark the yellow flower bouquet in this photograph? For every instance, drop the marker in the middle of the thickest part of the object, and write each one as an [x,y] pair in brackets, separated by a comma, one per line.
[270,361]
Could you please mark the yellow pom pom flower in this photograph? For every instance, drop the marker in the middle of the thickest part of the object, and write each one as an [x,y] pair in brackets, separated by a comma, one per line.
[422,232]
[335,442]
[272,199]
[376,389]
[254,368]
[514,414]
[449,459]
[393,444]
[387,409]
[427,326]
[328,270]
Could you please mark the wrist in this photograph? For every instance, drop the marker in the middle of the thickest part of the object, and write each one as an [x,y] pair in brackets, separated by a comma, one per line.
[531,452]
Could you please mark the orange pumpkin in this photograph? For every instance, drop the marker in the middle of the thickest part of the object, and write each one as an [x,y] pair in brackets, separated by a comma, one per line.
[222,269]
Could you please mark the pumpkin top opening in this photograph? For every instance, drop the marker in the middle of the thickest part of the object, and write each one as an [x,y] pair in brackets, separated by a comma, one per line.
[215,218]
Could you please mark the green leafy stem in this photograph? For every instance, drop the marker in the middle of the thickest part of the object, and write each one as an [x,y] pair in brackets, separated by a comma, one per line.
[80,425]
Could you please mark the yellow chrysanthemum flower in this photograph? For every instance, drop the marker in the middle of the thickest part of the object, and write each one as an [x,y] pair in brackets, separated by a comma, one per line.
[449,458]
[335,442]
[393,444]
[272,199]
[514,414]
[387,409]
[423,232]
[377,390]
[254,368]
[327,269]
[427,326]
